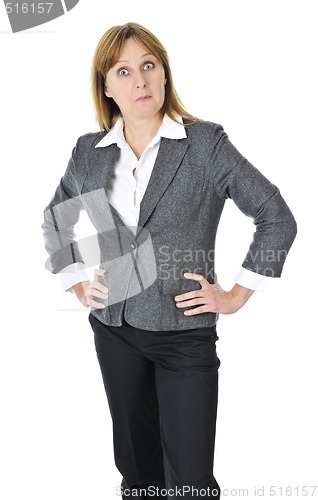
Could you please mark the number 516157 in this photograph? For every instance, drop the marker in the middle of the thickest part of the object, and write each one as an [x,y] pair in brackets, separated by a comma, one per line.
[29,8]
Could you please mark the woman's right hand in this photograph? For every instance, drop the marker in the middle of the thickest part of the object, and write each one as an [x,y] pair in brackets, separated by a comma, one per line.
[85,291]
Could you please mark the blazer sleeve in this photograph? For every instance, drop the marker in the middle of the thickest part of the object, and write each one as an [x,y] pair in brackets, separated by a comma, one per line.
[236,178]
[60,217]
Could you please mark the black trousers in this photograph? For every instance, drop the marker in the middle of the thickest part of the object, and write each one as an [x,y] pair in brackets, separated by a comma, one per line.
[162,390]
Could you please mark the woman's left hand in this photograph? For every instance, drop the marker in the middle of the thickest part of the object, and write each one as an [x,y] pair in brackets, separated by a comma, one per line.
[212,298]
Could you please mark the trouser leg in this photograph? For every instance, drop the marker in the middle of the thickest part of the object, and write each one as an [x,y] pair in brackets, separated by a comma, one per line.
[130,385]
[187,387]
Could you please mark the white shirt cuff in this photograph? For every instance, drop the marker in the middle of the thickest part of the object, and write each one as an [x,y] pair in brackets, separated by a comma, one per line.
[73,274]
[251,280]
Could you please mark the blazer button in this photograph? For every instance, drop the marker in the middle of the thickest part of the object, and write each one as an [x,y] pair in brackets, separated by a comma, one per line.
[133,245]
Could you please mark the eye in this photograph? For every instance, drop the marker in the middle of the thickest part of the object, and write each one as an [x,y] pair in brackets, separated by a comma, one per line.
[148,66]
[123,72]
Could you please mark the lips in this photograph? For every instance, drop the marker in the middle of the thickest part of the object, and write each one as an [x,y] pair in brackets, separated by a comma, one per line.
[143,98]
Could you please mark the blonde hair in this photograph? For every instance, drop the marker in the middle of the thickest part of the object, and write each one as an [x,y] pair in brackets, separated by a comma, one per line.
[107,54]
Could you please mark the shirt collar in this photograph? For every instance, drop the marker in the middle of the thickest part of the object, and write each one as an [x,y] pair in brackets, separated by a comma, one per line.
[168,128]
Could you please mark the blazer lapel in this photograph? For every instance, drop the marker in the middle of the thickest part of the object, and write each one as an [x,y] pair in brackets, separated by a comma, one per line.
[102,161]
[170,155]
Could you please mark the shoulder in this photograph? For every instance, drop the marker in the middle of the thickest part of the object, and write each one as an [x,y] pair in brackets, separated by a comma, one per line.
[203,128]
[204,133]
[90,139]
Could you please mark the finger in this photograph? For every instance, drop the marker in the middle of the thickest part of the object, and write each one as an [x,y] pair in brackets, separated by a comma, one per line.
[92,294]
[188,295]
[99,272]
[96,305]
[96,293]
[197,277]
[196,310]
[193,302]
[97,285]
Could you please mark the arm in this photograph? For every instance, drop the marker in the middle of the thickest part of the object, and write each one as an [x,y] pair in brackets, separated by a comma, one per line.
[234,177]
[60,217]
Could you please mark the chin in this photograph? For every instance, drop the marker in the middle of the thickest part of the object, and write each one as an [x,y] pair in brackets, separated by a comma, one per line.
[150,113]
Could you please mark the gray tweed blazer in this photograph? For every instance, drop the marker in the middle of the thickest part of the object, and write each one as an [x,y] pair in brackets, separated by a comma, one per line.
[179,217]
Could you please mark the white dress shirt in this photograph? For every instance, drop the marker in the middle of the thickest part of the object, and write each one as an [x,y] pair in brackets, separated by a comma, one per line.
[127,187]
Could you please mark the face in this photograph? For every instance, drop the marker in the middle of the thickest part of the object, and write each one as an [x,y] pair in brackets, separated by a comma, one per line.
[136,82]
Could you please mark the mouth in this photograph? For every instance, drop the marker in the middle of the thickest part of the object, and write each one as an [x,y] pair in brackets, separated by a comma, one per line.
[143,98]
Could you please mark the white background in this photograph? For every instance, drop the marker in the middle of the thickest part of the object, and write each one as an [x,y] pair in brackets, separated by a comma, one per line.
[249,65]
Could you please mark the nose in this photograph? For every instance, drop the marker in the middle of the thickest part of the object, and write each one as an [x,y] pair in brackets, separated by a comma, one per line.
[140,80]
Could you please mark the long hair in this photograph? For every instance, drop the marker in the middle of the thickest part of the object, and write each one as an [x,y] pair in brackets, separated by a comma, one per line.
[107,54]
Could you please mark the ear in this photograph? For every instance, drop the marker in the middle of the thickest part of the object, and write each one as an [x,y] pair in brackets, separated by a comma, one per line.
[106,91]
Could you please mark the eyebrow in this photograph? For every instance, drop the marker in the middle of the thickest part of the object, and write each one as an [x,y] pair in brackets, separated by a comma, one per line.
[144,55]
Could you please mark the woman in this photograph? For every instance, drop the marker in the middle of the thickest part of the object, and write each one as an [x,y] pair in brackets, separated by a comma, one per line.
[154,181]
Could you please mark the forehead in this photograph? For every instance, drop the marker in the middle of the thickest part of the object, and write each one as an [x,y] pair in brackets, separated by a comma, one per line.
[133,49]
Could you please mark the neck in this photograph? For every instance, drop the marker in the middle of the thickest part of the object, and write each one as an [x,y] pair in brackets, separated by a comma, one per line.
[139,133]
